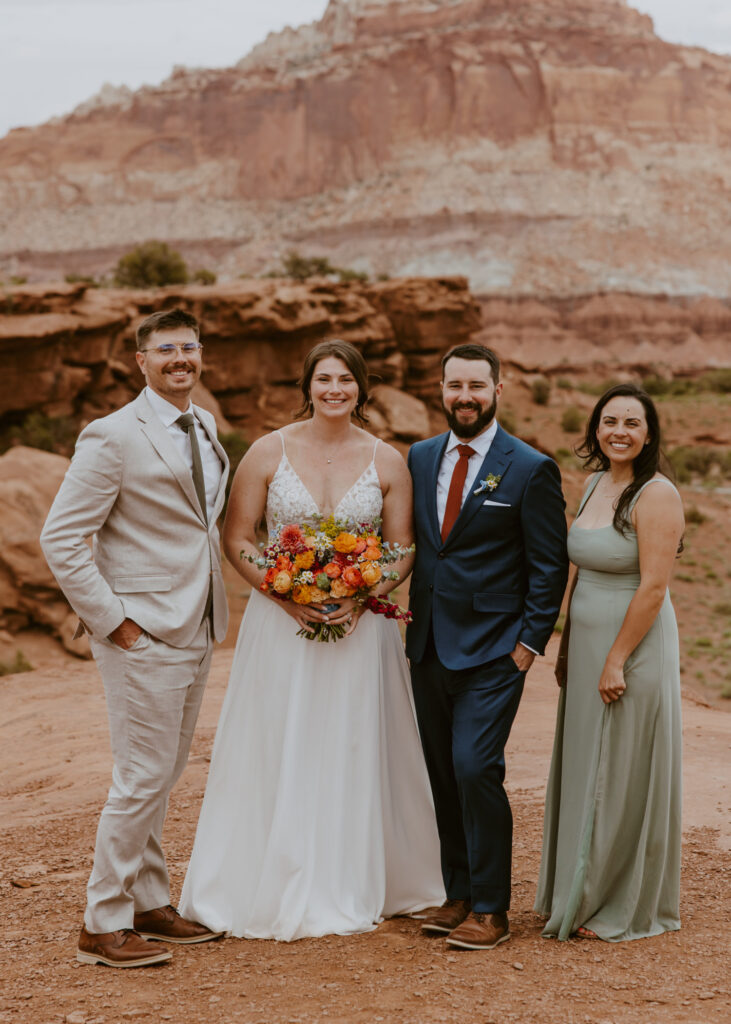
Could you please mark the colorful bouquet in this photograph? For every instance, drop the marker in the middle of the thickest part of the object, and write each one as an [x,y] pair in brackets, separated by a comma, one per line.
[316,565]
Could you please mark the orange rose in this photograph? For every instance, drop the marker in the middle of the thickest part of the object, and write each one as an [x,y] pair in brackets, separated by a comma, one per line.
[372,554]
[282,582]
[317,596]
[360,546]
[345,543]
[340,589]
[269,575]
[264,587]
[333,570]
[352,577]
[283,564]
[371,573]
[301,594]
[311,542]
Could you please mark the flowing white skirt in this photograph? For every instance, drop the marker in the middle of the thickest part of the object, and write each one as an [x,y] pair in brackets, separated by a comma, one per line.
[317,817]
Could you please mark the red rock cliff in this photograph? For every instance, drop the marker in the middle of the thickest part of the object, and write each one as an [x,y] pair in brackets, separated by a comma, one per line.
[533,145]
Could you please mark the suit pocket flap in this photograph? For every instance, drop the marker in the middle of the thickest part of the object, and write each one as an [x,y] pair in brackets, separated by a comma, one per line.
[141,584]
[497,602]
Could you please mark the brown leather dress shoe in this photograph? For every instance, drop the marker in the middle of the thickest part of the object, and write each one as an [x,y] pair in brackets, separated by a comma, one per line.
[166,923]
[480,931]
[123,948]
[446,918]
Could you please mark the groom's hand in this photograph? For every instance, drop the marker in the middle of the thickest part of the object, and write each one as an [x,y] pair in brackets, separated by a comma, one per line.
[522,657]
[126,634]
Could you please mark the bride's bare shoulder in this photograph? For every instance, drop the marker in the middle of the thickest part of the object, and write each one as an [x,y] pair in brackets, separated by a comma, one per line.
[264,454]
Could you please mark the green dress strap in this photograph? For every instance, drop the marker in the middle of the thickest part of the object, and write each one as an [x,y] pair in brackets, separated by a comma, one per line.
[589,491]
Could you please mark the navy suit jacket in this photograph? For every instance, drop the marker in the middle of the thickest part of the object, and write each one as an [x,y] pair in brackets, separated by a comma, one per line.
[500,576]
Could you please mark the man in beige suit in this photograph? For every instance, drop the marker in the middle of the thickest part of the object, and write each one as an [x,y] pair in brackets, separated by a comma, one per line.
[147,484]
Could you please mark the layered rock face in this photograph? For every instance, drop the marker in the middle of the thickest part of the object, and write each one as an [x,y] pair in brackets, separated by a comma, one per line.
[68,350]
[535,146]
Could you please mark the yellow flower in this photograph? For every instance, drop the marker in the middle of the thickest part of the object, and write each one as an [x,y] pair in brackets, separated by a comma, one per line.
[282,582]
[301,595]
[317,596]
[344,543]
[304,561]
[371,573]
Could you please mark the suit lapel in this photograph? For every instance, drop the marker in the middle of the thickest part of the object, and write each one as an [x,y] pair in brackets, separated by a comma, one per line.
[221,453]
[437,453]
[164,445]
[496,462]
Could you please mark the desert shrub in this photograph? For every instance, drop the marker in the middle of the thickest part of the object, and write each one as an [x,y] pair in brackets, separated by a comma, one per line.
[564,384]
[718,380]
[722,608]
[540,389]
[303,267]
[597,387]
[19,664]
[506,419]
[694,515]
[697,460]
[572,419]
[49,433]
[150,265]
[81,279]
[203,276]
[18,279]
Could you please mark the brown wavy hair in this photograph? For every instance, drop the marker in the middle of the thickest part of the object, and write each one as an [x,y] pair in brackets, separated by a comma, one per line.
[355,362]
[650,461]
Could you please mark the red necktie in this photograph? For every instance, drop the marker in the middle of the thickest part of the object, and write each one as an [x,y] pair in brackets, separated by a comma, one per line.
[456,486]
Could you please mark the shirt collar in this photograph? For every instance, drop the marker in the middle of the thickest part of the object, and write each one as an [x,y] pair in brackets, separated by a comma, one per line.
[481,443]
[164,410]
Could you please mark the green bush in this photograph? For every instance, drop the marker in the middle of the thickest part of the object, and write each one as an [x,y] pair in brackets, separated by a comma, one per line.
[697,460]
[19,664]
[150,265]
[81,279]
[572,419]
[204,276]
[541,391]
[718,380]
[49,433]
[564,384]
[694,515]
[303,267]
[506,419]
[18,279]
[236,446]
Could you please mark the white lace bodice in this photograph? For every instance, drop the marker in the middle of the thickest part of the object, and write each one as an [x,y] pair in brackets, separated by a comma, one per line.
[289,501]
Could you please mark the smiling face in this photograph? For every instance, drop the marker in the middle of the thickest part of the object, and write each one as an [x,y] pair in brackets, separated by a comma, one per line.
[622,432]
[174,376]
[333,389]
[469,396]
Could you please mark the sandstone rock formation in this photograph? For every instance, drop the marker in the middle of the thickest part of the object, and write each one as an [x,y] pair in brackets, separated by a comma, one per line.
[29,479]
[536,146]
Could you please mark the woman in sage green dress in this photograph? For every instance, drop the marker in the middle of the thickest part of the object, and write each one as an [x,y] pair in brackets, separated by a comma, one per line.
[610,867]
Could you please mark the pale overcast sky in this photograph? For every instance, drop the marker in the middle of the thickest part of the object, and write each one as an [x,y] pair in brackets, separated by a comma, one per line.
[54,54]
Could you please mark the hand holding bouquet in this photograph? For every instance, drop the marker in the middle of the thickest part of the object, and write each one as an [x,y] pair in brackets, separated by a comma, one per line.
[318,565]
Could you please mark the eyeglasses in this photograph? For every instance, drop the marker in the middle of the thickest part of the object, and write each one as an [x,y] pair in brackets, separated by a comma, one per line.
[189,348]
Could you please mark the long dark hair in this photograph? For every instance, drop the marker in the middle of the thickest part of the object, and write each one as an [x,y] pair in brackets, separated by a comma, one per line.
[355,362]
[650,460]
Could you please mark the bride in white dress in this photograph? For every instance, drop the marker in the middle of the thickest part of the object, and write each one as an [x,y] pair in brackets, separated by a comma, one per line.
[317,816]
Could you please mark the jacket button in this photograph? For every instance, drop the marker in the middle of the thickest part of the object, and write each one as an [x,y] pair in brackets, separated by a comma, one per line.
[431,586]
[441,554]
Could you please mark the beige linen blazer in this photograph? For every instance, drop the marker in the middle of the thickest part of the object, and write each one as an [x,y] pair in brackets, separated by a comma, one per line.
[153,555]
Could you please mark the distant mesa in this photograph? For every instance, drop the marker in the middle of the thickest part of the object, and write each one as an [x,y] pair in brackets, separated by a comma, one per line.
[538,147]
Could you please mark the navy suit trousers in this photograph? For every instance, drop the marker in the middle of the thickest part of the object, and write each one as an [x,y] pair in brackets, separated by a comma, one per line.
[464,720]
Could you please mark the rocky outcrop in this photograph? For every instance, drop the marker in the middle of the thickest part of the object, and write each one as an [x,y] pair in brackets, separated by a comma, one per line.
[535,146]
[68,350]
[29,595]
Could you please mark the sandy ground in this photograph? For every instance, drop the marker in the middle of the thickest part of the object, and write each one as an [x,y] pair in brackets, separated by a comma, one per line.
[55,770]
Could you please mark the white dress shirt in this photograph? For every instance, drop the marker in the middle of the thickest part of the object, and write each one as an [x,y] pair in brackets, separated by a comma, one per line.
[212,468]
[481,446]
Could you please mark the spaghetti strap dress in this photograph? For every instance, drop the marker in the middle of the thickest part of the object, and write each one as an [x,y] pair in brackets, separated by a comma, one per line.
[612,827]
[317,816]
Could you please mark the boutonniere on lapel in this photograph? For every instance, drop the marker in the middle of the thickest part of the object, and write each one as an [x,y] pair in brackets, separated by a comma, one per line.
[488,484]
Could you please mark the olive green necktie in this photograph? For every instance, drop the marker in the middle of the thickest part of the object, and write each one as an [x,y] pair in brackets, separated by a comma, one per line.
[187,421]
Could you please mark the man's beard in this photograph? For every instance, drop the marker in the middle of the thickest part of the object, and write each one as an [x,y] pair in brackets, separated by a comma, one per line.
[465,431]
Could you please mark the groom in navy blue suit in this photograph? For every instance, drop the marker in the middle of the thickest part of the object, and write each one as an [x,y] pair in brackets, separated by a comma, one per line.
[490,572]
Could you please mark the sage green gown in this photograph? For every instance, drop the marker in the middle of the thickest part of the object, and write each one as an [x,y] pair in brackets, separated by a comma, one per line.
[612,829]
